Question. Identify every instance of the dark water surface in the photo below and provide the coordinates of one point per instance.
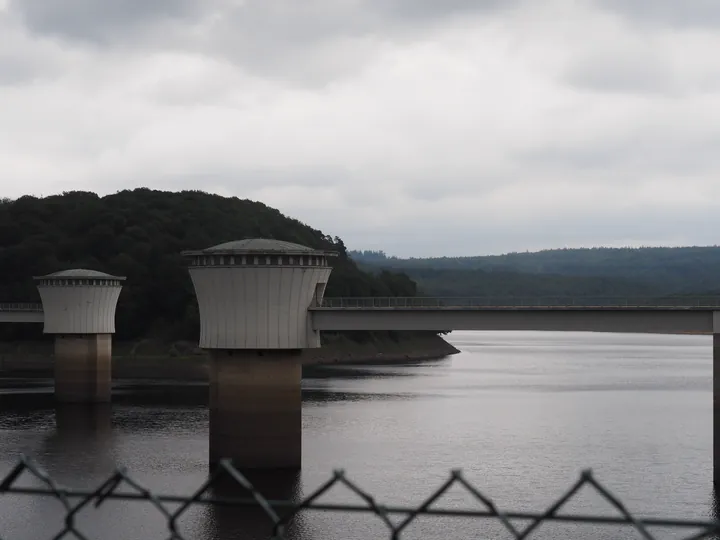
(522, 413)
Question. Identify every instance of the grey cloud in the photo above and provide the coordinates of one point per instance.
(278, 21)
(440, 194)
(654, 149)
(14, 71)
(623, 74)
(429, 9)
(22, 60)
(99, 22)
(435, 190)
(308, 42)
(686, 13)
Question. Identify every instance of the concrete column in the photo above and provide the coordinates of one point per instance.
(82, 368)
(256, 408)
(716, 398)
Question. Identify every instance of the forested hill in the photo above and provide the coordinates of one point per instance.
(658, 270)
(140, 234)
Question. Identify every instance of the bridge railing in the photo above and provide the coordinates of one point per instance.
(393, 520)
(402, 302)
(351, 302)
(20, 306)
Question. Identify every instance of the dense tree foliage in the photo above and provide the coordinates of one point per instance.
(605, 271)
(140, 234)
(508, 285)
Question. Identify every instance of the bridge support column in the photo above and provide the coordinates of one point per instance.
(716, 398)
(256, 408)
(82, 368)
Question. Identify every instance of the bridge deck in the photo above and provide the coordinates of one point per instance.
(671, 320)
(632, 315)
(514, 308)
(668, 315)
(21, 312)
(490, 302)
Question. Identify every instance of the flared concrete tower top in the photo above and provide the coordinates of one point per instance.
(79, 301)
(255, 293)
(79, 276)
(260, 252)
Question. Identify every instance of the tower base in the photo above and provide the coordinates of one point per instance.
(256, 408)
(82, 368)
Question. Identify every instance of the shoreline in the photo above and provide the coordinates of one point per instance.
(182, 362)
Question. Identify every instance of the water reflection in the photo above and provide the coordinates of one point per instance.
(521, 413)
(153, 393)
(378, 370)
(322, 397)
(79, 451)
(714, 512)
(253, 523)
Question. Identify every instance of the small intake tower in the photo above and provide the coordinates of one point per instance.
(79, 309)
(253, 296)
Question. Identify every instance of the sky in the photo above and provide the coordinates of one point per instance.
(418, 127)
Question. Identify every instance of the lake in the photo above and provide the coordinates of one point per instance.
(521, 413)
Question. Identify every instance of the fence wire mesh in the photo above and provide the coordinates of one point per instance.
(120, 485)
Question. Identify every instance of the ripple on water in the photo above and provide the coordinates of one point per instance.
(521, 413)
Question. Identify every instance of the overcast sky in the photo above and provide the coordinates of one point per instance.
(420, 127)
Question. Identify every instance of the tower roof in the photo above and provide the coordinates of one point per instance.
(259, 246)
(79, 273)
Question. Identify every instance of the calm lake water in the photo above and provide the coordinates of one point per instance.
(522, 413)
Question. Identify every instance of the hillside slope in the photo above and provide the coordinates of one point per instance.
(652, 270)
(140, 234)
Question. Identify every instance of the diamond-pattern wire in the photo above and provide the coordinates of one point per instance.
(73, 501)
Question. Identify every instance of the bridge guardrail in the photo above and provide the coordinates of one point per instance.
(399, 302)
(21, 306)
(478, 301)
(120, 485)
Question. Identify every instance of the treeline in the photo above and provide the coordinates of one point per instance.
(514, 285)
(607, 271)
(140, 234)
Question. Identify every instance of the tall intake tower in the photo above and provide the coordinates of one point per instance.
(253, 296)
(79, 309)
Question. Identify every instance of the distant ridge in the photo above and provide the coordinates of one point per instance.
(662, 270)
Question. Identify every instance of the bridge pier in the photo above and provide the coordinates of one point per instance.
(83, 368)
(256, 408)
(716, 398)
(253, 297)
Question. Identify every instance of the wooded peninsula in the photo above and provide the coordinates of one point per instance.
(140, 234)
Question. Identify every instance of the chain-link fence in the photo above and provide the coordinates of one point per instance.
(121, 486)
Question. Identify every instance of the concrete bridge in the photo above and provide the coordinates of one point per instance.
(21, 312)
(692, 314)
(630, 315)
(261, 302)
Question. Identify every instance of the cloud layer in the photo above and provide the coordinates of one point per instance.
(417, 127)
